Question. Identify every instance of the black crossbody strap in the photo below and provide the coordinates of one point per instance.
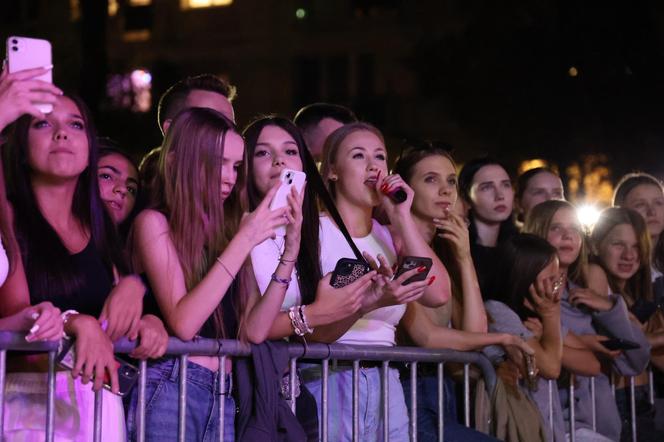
(316, 181)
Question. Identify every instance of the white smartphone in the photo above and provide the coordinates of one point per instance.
(289, 179)
(29, 53)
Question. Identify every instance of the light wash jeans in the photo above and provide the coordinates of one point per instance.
(340, 400)
(161, 408)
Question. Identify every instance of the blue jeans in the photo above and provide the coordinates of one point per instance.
(340, 400)
(161, 404)
(427, 412)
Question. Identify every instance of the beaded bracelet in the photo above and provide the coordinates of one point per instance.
(284, 281)
(296, 320)
(307, 329)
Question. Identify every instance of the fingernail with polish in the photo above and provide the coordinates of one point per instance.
(432, 279)
(34, 329)
(34, 316)
(421, 269)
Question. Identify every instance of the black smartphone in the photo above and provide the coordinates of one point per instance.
(620, 344)
(407, 263)
(347, 271)
(127, 373)
(643, 309)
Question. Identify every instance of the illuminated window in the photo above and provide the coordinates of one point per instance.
(140, 2)
(112, 7)
(194, 4)
(130, 91)
(74, 10)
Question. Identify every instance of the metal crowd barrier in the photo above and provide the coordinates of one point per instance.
(224, 348)
(572, 413)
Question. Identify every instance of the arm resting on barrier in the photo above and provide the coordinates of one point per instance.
(578, 358)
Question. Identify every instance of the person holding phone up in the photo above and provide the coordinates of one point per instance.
(70, 257)
(354, 169)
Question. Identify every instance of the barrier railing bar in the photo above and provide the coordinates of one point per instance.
(142, 380)
(386, 399)
(413, 401)
(222, 397)
(324, 380)
(50, 398)
(572, 411)
(356, 400)
(651, 386)
(176, 347)
(593, 408)
(182, 400)
(441, 401)
(550, 386)
(99, 400)
(632, 407)
(3, 371)
(292, 375)
(613, 384)
(466, 393)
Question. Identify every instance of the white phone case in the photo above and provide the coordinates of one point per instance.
(289, 178)
(29, 53)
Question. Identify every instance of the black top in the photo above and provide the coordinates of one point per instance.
(95, 284)
(228, 310)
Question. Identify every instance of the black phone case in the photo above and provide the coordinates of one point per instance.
(411, 262)
(348, 271)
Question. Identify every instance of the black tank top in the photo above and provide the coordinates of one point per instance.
(228, 310)
(96, 284)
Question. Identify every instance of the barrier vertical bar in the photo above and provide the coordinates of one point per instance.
(413, 401)
(632, 407)
(99, 400)
(3, 370)
(50, 400)
(356, 401)
(142, 380)
(386, 400)
(550, 385)
(182, 400)
(441, 401)
(466, 393)
(651, 386)
(613, 385)
(222, 396)
(325, 379)
(572, 411)
(292, 375)
(594, 405)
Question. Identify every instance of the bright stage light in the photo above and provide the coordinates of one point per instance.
(588, 215)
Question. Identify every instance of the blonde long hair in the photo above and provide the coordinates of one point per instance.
(538, 222)
(189, 192)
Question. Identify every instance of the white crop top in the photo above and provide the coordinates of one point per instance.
(376, 327)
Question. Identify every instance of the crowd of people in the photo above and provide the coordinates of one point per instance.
(96, 247)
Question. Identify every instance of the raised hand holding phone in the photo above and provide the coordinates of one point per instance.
(32, 54)
(289, 179)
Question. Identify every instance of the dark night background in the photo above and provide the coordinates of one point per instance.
(577, 83)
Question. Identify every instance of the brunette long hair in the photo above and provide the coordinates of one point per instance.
(189, 194)
(523, 257)
(308, 258)
(409, 158)
(48, 264)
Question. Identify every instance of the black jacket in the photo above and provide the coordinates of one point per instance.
(264, 415)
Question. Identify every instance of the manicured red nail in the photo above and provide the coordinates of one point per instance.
(383, 188)
(421, 269)
(432, 279)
